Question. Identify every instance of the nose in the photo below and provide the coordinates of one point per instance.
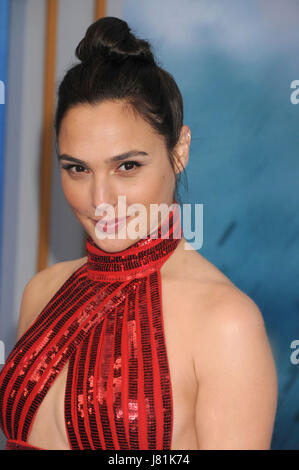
(103, 194)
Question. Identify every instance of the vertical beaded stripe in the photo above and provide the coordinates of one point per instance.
(104, 324)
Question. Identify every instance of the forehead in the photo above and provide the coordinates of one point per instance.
(107, 121)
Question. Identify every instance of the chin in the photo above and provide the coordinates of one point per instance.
(108, 243)
(113, 245)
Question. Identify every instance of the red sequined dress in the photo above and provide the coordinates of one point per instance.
(106, 321)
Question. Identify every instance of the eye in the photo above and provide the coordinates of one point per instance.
(69, 167)
(129, 165)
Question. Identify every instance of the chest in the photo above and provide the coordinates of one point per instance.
(51, 413)
(121, 379)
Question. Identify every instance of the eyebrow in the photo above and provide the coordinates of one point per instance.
(116, 158)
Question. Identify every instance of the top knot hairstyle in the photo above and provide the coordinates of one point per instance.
(111, 39)
(116, 65)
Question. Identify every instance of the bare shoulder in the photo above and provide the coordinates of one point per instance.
(41, 288)
(204, 283)
(216, 310)
(195, 279)
(226, 340)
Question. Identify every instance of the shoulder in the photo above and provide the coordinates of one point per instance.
(41, 288)
(222, 319)
(230, 318)
(194, 280)
(55, 275)
(235, 371)
(204, 282)
(230, 347)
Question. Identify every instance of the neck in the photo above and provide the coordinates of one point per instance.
(140, 259)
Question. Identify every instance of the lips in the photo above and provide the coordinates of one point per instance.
(109, 225)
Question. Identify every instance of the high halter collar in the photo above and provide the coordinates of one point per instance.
(139, 259)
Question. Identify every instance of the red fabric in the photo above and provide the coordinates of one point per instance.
(19, 445)
(106, 322)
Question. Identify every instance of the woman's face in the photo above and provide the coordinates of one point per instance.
(94, 134)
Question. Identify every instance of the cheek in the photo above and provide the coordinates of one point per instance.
(73, 195)
(165, 182)
(155, 189)
(148, 188)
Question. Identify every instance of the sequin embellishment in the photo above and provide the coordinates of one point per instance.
(106, 322)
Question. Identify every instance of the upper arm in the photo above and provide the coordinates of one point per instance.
(237, 381)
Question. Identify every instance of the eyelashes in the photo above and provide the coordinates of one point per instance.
(131, 163)
(69, 167)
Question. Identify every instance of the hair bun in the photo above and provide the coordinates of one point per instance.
(111, 39)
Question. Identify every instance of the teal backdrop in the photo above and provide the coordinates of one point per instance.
(234, 62)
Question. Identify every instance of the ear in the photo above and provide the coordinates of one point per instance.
(181, 150)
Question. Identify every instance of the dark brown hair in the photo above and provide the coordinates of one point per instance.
(116, 65)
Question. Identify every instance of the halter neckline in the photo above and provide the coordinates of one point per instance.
(141, 258)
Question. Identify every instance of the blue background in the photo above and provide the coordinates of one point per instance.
(234, 62)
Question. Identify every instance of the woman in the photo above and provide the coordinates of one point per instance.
(142, 344)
